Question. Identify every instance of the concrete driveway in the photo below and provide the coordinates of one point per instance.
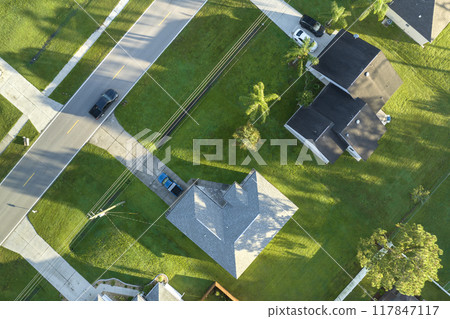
(287, 19)
(73, 127)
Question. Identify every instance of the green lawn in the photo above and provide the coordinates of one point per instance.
(100, 49)
(338, 204)
(9, 115)
(435, 218)
(16, 274)
(27, 26)
(16, 149)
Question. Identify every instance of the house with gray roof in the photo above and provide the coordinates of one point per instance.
(334, 123)
(232, 223)
(358, 68)
(422, 20)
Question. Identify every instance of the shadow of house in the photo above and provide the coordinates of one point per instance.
(232, 223)
(347, 114)
(422, 20)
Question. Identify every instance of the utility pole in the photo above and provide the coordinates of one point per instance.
(104, 212)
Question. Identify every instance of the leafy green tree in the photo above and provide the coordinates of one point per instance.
(419, 194)
(407, 263)
(247, 136)
(378, 7)
(300, 55)
(257, 102)
(338, 16)
(305, 98)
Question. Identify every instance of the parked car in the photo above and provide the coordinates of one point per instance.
(312, 25)
(107, 98)
(301, 37)
(171, 186)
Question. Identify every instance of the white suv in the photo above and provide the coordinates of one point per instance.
(300, 37)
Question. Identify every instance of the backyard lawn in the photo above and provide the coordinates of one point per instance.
(49, 30)
(9, 115)
(338, 204)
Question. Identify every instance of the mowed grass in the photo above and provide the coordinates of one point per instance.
(16, 149)
(16, 274)
(9, 115)
(338, 204)
(434, 215)
(26, 26)
(163, 249)
(100, 49)
(435, 218)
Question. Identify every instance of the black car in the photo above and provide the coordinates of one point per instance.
(103, 103)
(312, 25)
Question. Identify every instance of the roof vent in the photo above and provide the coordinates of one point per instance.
(367, 74)
(420, 16)
(358, 121)
(356, 36)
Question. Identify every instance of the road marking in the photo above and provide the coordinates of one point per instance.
(28, 180)
(72, 127)
(165, 18)
(118, 72)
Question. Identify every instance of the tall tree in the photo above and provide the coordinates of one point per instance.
(247, 136)
(339, 15)
(257, 102)
(300, 55)
(407, 263)
(378, 7)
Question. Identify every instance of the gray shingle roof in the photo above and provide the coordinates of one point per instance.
(353, 123)
(360, 68)
(428, 17)
(163, 292)
(233, 234)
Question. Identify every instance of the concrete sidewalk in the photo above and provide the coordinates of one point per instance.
(26, 242)
(84, 48)
(29, 100)
(287, 19)
(112, 137)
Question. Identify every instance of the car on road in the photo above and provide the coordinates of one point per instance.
(312, 25)
(171, 186)
(107, 98)
(301, 37)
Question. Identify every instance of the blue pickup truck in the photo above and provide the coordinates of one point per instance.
(171, 186)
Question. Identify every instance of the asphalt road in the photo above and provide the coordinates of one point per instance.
(73, 127)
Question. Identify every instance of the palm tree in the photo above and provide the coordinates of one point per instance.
(247, 136)
(378, 7)
(300, 55)
(257, 102)
(339, 15)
